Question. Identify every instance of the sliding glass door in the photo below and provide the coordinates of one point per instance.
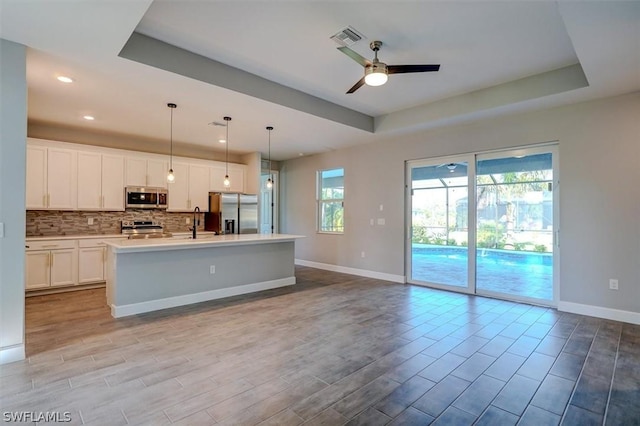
(485, 224)
(440, 223)
(515, 225)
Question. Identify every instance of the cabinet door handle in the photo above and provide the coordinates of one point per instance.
(103, 201)
(48, 200)
(44, 200)
(51, 255)
(48, 259)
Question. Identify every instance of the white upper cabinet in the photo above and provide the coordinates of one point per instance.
(100, 181)
(112, 182)
(51, 178)
(146, 172)
(136, 172)
(36, 197)
(89, 181)
(236, 178)
(64, 176)
(199, 187)
(179, 188)
(157, 173)
(190, 189)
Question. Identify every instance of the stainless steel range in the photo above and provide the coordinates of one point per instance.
(139, 229)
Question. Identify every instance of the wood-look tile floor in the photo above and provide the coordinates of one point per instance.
(333, 349)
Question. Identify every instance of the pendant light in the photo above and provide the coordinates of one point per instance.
(227, 182)
(170, 176)
(269, 181)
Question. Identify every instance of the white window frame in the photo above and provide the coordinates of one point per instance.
(320, 202)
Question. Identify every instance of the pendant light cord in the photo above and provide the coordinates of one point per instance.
(270, 128)
(226, 152)
(226, 160)
(171, 106)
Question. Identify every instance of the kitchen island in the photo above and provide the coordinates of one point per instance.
(148, 275)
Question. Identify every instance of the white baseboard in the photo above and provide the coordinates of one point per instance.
(600, 312)
(188, 299)
(12, 354)
(353, 271)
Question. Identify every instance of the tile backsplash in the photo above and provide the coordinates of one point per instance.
(51, 223)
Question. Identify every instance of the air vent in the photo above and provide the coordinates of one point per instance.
(347, 36)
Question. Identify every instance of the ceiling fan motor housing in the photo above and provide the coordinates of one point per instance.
(376, 67)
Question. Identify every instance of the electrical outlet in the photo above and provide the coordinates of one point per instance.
(187, 220)
(90, 221)
(212, 269)
(613, 284)
(362, 254)
(371, 222)
(380, 221)
(381, 207)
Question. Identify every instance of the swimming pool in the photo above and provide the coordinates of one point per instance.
(520, 273)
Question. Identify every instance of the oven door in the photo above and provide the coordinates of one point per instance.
(141, 199)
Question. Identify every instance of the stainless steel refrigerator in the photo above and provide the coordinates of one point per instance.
(232, 213)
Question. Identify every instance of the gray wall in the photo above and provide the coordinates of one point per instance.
(13, 139)
(599, 144)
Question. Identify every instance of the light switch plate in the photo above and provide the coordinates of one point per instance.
(1, 229)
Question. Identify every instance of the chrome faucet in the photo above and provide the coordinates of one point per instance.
(196, 221)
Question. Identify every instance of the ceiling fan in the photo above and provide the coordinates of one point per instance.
(375, 72)
(451, 166)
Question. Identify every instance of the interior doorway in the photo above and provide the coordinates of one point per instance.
(269, 202)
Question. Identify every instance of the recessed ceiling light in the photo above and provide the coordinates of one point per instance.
(222, 140)
(65, 79)
(89, 117)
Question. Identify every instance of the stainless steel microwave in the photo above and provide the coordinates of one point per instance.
(137, 197)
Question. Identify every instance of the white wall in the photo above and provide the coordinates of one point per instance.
(599, 145)
(13, 137)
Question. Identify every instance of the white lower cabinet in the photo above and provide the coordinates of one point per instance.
(69, 262)
(90, 265)
(51, 264)
(91, 260)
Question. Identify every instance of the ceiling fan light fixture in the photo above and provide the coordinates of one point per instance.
(376, 75)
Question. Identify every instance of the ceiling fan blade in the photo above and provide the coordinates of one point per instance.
(403, 69)
(355, 56)
(356, 86)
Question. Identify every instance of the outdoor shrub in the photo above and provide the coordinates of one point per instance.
(491, 235)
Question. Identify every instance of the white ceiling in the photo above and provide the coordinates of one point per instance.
(496, 57)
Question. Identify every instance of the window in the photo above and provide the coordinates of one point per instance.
(331, 201)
